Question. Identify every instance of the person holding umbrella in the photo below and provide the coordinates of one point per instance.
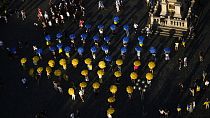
(52, 49)
(116, 20)
(167, 52)
(138, 50)
(80, 50)
(152, 51)
(125, 41)
(59, 36)
(59, 46)
(105, 48)
(108, 59)
(141, 40)
(101, 29)
(39, 52)
(48, 39)
(123, 51)
(107, 39)
(88, 27)
(96, 39)
(67, 50)
(72, 38)
(113, 28)
(83, 38)
(93, 50)
(126, 28)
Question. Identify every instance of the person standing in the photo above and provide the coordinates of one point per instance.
(185, 61)
(81, 93)
(23, 15)
(180, 63)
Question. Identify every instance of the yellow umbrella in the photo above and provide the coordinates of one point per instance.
(117, 74)
(111, 99)
(71, 91)
(100, 72)
(110, 110)
(57, 72)
(119, 62)
(113, 89)
(83, 84)
(134, 75)
(102, 65)
(23, 61)
(129, 89)
(149, 76)
(62, 62)
(95, 85)
(84, 72)
(151, 65)
(51, 63)
(48, 70)
(35, 59)
(39, 70)
(137, 63)
(31, 72)
(88, 61)
(75, 62)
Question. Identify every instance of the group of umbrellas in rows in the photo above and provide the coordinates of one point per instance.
(66, 56)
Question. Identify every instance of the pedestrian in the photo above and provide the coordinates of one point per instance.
(55, 85)
(135, 26)
(201, 56)
(100, 5)
(206, 83)
(192, 90)
(81, 93)
(117, 3)
(185, 61)
(23, 15)
(179, 109)
(161, 111)
(204, 74)
(60, 89)
(180, 63)
(206, 103)
(176, 46)
(24, 81)
(72, 115)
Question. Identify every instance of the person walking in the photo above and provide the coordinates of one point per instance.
(185, 61)
(81, 93)
(206, 103)
(180, 63)
(100, 5)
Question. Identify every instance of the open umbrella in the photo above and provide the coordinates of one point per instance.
(107, 39)
(111, 99)
(88, 61)
(62, 62)
(52, 48)
(117, 74)
(125, 40)
(59, 35)
(113, 89)
(96, 38)
(113, 27)
(71, 91)
(39, 70)
(39, 52)
(167, 50)
(102, 65)
(72, 36)
(151, 65)
(48, 70)
(123, 50)
(95, 85)
(83, 36)
(119, 62)
(133, 76)
(83, 85)
(138, 49)
(126, 27)
(129, 89)
(87, 26)
(149, 76)
(116, 20)
(57, 73)
(93, 49)
(74, 62)
(108, 58)
(67, 49)
(47, 38)
(137, 63)
(51, 63)
(80, 50)
(84, 72)
(110, 110)
(35, 60)
(105, 48)
(59, 46)
(152, 50)
(23, 61)
(100, 26)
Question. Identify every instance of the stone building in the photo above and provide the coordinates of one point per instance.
(171, 16)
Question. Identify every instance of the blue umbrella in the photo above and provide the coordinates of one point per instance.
(140, 38)
(167, 50)
(52, 48)
(96, 38)
(116, 19)
(59, 45)
(39, 51)
(104, 47)
(80, 50)
(123, 50)
(67, 49)
(152, 50)
(13, 50)
(107, 38)
(47, 38)
(113, 27)
(93, 49)
(100, 26)
(59, 35)
(88, 26)
(83, 36)
(72, 36)
(138, 48)
(108, 58)
(126, 27)
(125, 39)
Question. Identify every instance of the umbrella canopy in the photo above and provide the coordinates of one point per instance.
(51, 63)
(134, 75)
(52, 48)
(100, 26)
(138, 48)
(113, 89)
(72, 36)
(80, 50)
(88, 26)
(93, 49)
(117, 74)
(119, 62)
(39, 51)
(83, 36)
(100, 72)
(113, 27)
(102, 65)
(59, 46)
(104, 47)
(84, 72)
(108, 58)
(123, 50)
(57, 72)
(126, 27)
(83, 84)
(39, 70)
(59, 35)
(151, 65)
(129, 89)
(71, 91)
(74, 62)
(141, 39)
(137, 63)
(125, 39)
(116, 19)
(67, 49)
(111, 99)
(152, 50)
(48, 69)
(35, 59)
(95, 85)
(88, 61)
(107, 38)
(96, 38)
(23, 60)
(62, 62)
(167, 50)
(47, 38)
(110, 110)
(149, 76)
